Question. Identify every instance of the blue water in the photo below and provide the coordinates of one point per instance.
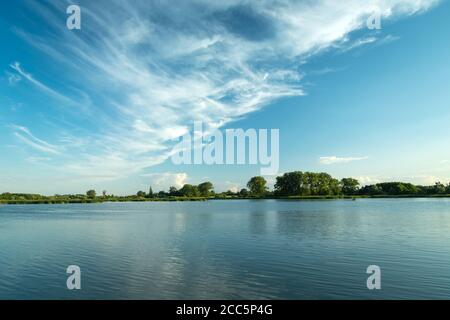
(227, 249)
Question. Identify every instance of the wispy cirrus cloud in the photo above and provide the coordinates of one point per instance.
(13, 78)
(359, 42)
(153, 68)
(24, 135)
(17, 67)
(333, 159)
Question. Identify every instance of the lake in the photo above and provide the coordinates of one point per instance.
(240, 249)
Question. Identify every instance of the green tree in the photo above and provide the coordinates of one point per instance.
(162, 194)
(150, 193)
(349, 186)
(290, 184)
(244, 193)
(173, 191)
(299, 183)
(439, 188)
(230, 193)
(189, 190)
(205, 188)
(371, 190)
(257, 186)
(91, 194)
(140, 194)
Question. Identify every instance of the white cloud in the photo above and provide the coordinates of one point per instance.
(17, 67)
(165, 180)
(155, 67)
(422, 179)
(229, 186)
(38, 159)
(367, 180)
(388, 39)
(426, 179)
(13, 78)
(324, 71)
(334, 159)
(28, 138)
(359, 42)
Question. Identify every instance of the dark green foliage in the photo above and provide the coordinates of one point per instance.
(173, 191)
(390, 188)
(205, 188)
(257, 186)
(189, 190)
(91, 194)
(349, 186)
(306, 184)
(244, 193)
(141, 194)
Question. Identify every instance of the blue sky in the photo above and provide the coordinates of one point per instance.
(100, 107)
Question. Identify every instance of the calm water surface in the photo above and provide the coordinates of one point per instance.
(227, 249)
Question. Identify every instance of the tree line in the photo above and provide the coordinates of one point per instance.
(300, 183)
(290, 184)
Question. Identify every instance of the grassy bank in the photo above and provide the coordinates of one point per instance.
(100, 200)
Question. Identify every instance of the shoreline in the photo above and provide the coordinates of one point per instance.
(191, 199)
